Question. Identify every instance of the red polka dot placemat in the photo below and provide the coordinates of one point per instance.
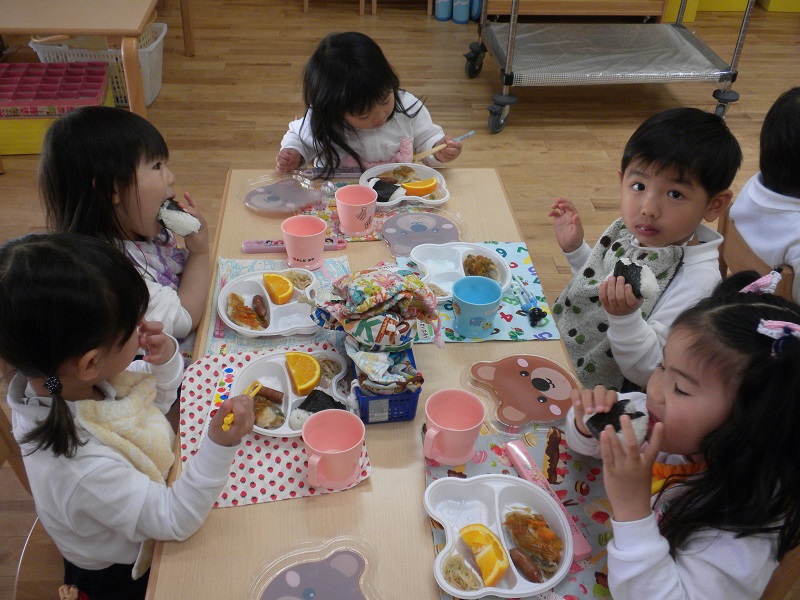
(266, 468)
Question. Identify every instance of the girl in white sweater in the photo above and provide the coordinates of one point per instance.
(707, 507)
(96, 444)
(356, 114)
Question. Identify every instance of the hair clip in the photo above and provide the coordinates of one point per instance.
(763, 285)
(780, 331)
(53, 385)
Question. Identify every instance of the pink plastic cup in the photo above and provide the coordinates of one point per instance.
(355, 205)
(304, 238)
(453, 420)
(333, 441)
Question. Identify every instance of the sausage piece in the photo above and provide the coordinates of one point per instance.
(525, 565)
(259, 307)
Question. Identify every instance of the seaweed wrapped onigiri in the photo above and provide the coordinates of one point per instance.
(177, 220)
(641, 277)
(596, 422)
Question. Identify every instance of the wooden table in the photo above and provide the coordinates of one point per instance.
(227, 554)
(120, 21)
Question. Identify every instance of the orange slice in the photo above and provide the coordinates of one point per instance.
(488, 551)
(420, 188)
(304, 370)
(279, 288)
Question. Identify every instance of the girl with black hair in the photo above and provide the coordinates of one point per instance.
(104, 173)
(708, 506)
(95, 442)
(356, 113)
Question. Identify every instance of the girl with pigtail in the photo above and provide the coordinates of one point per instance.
(90, 422)
(707, 506)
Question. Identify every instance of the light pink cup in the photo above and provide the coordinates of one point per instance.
(333, 441)
(453, 420)
(355, 205)
(304, 238)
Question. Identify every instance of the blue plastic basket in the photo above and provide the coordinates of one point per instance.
(393, 407)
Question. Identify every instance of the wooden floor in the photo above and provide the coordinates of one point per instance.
(228, 107)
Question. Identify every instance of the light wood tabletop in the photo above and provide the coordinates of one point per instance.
(121, 21)
(226, 556)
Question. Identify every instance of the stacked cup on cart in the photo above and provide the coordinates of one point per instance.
(461, 11)
(151, 48)
(46, 90)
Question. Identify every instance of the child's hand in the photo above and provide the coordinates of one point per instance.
(288, 160)
(241, 407)
(627, 471)
(452, 152)
(617, 297)
(158, 346)
(567, 225)
(196, 243)
(589, 402)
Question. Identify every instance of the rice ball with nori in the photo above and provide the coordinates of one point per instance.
(386, 191)
(596, 422)
(177, 220)
(641, 277)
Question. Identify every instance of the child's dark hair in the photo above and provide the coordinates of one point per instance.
(697, 144)
(87, 155)
(750, 485)
(347, 74)
(779, 160)
(62, 295)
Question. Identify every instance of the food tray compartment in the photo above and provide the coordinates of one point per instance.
(391, 407)
(455, 503)
(291, 318)
(271, 371)
(443, 265)
(421, 172)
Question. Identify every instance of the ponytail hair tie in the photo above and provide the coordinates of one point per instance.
(764, 285)
(780, 331)
(53, 385)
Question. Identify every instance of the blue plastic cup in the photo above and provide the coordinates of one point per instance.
(443, 10)
(475, 10)
(461, 11)
(476, 301)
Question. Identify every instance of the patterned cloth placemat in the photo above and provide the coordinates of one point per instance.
(511, 323)
(576, 479)
(265, 468)
(222, 340)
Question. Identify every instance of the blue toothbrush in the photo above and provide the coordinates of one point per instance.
(528, 303)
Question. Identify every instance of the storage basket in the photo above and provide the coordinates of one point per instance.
(151, 51)
(392, 407)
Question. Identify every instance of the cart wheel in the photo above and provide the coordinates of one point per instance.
(721, 109)
(496, 121)
(473, 68)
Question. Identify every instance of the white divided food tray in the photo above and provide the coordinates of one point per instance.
(271, 371)
(291, 318)
(443, 264)
(486, 499)
(421, 172)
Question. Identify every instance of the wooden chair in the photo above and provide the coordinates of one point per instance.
(735, 255)
(41, 568)
(9, 451)
(785, 578)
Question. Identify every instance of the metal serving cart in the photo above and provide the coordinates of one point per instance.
(551, 54)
